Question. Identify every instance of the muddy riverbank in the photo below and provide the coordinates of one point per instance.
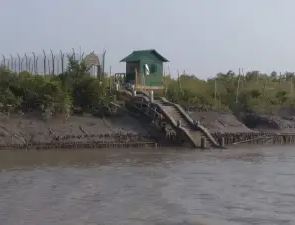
(32, 129)
(284, 123)
(220, 122)
(25, 131)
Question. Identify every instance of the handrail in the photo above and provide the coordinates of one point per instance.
(143, 97)
(209, 135)
(143, 93)
(175, 124)
(126, 92)
(171, 119)
(190, 120)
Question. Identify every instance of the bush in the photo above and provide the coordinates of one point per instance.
(26, 92)
(52, 95)
(256, 93)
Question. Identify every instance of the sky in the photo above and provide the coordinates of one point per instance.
(200, 37)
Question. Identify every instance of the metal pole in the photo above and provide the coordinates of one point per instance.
(26, 57)
(4, 60)
(291, 85)
(103, 62)
(110, 77)
(52, 57)
(21, 64)
(34, 63)
(19, 68)
(48, 61)
(243, 81)
(11, 62)
(15, 65)
(74, 54)
(30, 66)
(36, 69)
(215, 92)
(44, 62)
(62, 61)
(237, 96)
(80, 54)
(57, 66)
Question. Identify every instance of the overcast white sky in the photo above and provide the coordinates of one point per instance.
(202, 37)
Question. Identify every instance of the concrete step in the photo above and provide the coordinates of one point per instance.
(177, 116)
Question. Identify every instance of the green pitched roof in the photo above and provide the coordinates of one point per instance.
(136, 55)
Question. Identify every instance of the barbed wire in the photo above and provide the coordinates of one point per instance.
(43, 63)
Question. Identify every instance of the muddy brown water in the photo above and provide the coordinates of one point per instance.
(140, 187)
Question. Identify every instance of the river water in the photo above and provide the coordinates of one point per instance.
(178, 187)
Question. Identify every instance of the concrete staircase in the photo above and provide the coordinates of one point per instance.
(179, 119)
(193, 131)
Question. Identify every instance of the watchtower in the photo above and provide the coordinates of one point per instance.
(144, 69)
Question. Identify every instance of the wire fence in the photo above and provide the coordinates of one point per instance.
(46, 63)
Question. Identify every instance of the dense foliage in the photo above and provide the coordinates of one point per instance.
(75, 89)
(253, 92)
(51, 95)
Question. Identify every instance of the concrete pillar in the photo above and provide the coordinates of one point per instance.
(203, 143)
(222, 142)
(117, 87)
(178, 123)
(152, 96)
(133, 90)
(196, 123)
